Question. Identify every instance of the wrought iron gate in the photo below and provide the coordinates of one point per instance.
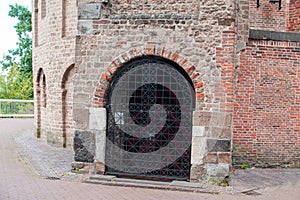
(149, 113)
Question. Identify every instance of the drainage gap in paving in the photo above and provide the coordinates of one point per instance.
(251, 193)
(52, 178)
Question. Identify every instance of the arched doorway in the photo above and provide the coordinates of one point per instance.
(149, 113)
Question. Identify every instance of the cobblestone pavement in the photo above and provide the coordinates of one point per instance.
(48, 162)
(30, 169)
(261, 180)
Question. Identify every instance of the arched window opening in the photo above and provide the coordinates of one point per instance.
(44, 94)
(40, 99)
(66, 86)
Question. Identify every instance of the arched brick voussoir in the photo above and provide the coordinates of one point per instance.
(99, 97)
(199, 89)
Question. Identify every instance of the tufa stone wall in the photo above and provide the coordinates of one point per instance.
(245, 87)
(198, 36)
(53, 54)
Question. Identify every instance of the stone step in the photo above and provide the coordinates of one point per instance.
(138, 183)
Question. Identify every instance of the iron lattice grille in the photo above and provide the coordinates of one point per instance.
(149, 126)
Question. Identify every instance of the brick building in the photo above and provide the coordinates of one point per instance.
(170, 89)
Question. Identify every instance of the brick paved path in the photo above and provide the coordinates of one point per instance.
(19, 179)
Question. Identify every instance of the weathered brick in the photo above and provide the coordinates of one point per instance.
(265, 105)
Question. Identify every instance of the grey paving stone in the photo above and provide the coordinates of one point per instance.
(48, 161)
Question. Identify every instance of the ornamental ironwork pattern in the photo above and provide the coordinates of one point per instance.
(149, 112)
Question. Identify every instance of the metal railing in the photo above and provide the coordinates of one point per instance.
(16, 108)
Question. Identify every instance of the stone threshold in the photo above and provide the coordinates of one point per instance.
(183, 186)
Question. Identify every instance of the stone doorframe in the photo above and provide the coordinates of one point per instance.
(210, 157)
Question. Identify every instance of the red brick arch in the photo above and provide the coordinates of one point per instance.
(99, 98)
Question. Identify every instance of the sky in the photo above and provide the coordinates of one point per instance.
(8, 36)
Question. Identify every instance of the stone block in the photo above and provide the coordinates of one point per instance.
(198, 150)
(198, 173)
(81, 117)
(77, 165)
(217, 145)
(89, 11)
(218, 170)
(97, 118)
(198, 131)
(84, 146)
(85, 27)
(211, 158)
(220, 119)
(226, 21)
(99, 167)
(201, 118)
(240, 45)
(100, 145)
(224, 157)
(219, 132)
(273, 35)
(82, 167)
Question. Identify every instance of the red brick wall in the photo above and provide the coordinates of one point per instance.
(266, 111)
(267, 16)
(294, 16)
(225, 60)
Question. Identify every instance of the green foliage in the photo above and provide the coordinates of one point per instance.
(17, 63)
(244, 166)
(76, 171)
(16, 85)
(219, 181)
